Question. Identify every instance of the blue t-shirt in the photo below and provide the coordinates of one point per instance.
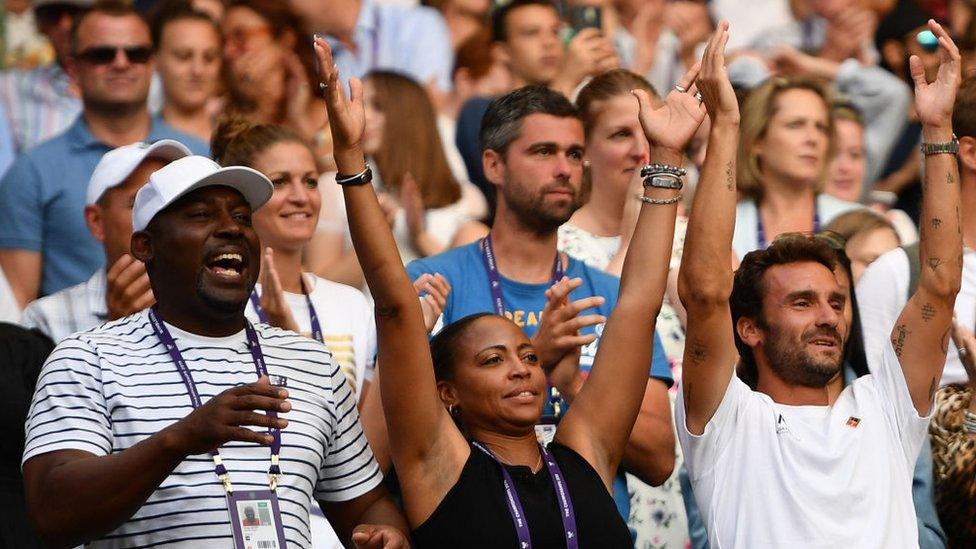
(42, 202)
(464, 269)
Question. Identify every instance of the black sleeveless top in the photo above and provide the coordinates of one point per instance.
(474, 512)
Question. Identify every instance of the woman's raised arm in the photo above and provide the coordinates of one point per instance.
(416, 419)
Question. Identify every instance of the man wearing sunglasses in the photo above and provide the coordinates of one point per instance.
(44, 243)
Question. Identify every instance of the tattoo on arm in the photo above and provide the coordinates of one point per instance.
(729, 176)
(949, 179)
(898, 340)
(928, 312)
(936, 222)
(935, 263)
(698, 353)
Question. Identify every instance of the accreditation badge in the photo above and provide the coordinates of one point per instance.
(256, 519)
(545, 430)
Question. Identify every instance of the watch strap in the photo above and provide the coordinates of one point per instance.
(949, 147)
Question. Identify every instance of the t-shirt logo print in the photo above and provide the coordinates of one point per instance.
(853, 422)
(781, 427)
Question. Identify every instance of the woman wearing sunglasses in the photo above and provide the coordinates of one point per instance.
(461, 411)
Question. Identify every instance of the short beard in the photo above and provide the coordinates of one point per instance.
(222, 307)
(791, 362)
(531, 213)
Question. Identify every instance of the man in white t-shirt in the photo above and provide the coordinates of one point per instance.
(794, 458)
(125, 415)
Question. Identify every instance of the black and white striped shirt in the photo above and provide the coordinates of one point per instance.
(106, 389)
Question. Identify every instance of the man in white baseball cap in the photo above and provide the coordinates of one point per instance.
(121, 288)
(132, 407)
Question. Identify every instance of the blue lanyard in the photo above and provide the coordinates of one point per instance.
(162, 332)
(761, 231)
(313, 317)
(495, 279)
(566, 512)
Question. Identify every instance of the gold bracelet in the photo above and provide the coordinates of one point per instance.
(659, 201)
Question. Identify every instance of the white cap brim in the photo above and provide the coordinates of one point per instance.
(118, 164)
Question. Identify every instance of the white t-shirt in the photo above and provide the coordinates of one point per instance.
(347, 325)
(105, 390)
(882, 293)
(771, 475)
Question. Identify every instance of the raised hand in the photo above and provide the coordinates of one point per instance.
(273, 296)
(225, 418)
(934, 100)
(127, 288)
(347, 117)
(713, 79)
(558, 332)
(674, 122)
(433, 291)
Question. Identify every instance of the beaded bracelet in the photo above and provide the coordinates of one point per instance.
(658, 201)
(657, 169)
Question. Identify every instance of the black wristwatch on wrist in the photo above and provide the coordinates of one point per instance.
(361, 178)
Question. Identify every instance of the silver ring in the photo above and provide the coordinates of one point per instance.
(680, 88)
(323, 86)
(962, 351)
(699, 97)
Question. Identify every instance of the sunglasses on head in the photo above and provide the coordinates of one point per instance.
(103, 55)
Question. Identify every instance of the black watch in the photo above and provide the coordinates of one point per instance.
(361, 178)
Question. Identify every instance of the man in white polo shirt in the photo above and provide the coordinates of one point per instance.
(124, 288)
(796, 459)
(162, 427)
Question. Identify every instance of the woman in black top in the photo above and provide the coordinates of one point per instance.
(493, 485)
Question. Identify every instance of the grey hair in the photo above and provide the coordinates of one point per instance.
(502, 122)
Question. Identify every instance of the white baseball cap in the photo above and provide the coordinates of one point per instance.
(187, 174)
(118, 164)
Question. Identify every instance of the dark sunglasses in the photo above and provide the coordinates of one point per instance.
(103, 55)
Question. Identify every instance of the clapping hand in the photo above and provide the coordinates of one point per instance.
(273, 296)
(346, 116)
(672, 124)
(379, 536)
(713, 83)
(127, 288)
(934, 100)
(558, 332)
(433, 290)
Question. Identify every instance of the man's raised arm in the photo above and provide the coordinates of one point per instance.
(922, 333)
(705, 278)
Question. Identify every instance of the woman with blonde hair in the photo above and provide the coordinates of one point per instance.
(787, 140)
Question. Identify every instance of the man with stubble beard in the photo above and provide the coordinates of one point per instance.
(801, 460)
(163, 426)
(532, 142)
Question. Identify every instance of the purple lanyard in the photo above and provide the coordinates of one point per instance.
(313, 318)
(495, 279)
(162, 332)
(761, 231)
(515, 505)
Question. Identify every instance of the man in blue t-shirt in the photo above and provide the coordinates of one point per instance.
(532, 142)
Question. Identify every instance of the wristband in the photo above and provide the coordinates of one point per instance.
(950, 147)
(664, 181)
(659, 201)
(656, 169)
(361, 178)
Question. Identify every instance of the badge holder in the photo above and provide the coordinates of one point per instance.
(545, 430)
(256, 519)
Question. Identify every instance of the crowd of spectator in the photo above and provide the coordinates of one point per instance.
(488, 273)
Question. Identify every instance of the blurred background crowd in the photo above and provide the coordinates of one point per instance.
(829, 142)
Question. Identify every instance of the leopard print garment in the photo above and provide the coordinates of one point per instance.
(954, 460)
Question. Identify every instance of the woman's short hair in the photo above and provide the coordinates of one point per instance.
(758, 109)
(411, 142)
